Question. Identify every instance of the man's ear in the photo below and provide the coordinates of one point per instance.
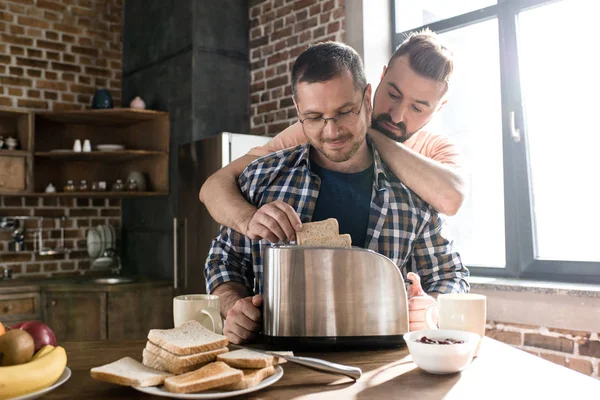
(383, 72)
(369, 100)
(442, 104)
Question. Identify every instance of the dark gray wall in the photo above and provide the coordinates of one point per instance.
(190, 58)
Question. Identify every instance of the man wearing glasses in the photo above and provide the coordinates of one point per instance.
(337, 174)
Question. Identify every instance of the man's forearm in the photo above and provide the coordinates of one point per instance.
(439, 185)
(223, 199)
(229, 293)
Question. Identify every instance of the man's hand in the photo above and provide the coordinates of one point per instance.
(243, 320)
(275, 222)
(418, 302)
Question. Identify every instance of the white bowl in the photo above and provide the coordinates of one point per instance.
(442, 358)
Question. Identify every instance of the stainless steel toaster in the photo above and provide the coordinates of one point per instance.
(331, 297)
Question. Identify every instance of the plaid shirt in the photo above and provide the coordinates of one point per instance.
(401, 225)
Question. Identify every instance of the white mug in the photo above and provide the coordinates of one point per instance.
(204, 308)
(460, 311)
(77, 145)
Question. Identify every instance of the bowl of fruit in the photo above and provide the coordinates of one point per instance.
(441, 351)
(31, 361)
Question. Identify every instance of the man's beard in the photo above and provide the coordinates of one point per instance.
(376, 123)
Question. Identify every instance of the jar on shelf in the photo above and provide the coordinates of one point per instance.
(118, 186)
(132, 185)
(69, 186)
(83, 186)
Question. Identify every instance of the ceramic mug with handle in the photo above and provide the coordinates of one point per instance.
(204, 308)
(460, 311)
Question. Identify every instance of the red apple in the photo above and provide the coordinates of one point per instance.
(40, 332)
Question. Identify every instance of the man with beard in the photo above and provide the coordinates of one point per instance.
(411, 92)
(338, 174)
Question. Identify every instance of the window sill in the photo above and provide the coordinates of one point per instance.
(539, 303)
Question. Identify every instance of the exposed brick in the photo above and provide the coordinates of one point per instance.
(38, 23)
(13, 92)
(33, 53)
(583, 366)
(50, 75)
(21, 41)
(34, 73)
(36, 94)
(50, 95)
(6, 101)
(97, 71)
(548, 342)
(51, 5)
(9, 80)
(590, 348)
(53, 55)
(66, 67)
(17, 30)
(68, 58)
(32, 103)
(276, 128)
(68, 38)
(15, 257)
(38, 33)
(556, 359)
(51, 45)
(17, 51)
(60, 86)
(298, 4)
(50, 35)
(27, 62)
(67, 28)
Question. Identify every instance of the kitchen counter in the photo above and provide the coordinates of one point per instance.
(500, 372)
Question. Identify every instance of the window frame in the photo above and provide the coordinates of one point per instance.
(519, 219)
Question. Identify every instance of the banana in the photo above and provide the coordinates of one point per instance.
(42, 352)
(18, 380)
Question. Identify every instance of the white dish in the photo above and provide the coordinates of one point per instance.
(442, 358)
(61, 379)
(213, 394)
(113, 245)
(102, 239)
(109, 237)
(94, 245)
(110, 147)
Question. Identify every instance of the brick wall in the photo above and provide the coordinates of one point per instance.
(54, 54)
(577, 350)
(80, 214)
(279, 31)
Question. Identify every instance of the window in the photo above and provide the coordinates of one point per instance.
(531, 208)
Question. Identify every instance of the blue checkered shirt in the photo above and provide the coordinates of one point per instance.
(401, 225)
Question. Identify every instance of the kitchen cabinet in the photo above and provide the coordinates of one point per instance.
(19, 307)
(132, 314)
(45, 154)
(75, 315)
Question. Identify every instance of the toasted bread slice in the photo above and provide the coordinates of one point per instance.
(160, 364)
(129, 372)
(246, 358)
(344, 240)
(210, 376)
(189, 338)
(328, 227)
(252, 377)
(184, 361)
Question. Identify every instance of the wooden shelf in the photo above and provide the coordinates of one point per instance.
(99, 156)
(89, 194)
(5, 152)
(113, 116)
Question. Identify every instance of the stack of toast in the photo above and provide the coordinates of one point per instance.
(190, 359)
(323, 233)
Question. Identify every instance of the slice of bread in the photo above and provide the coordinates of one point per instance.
(129, 372)
(328, 227)
(158, 363)
(184, 361)
(208, 377)
(252, 377)
(246, 358)
(189, 338)
(344, 240)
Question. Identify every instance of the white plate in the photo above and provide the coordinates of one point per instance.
(102, 239)
(93, 243)
(110, 147)
(213, 394)
(61, 379)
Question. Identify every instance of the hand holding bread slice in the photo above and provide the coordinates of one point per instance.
(323, 233)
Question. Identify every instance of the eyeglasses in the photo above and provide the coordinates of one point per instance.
(317, 124)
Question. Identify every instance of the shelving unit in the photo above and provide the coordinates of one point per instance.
(49, 136)
(16, 165)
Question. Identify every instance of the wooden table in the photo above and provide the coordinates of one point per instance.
(500, 372)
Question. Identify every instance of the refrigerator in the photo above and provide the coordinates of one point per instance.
(193, 227)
